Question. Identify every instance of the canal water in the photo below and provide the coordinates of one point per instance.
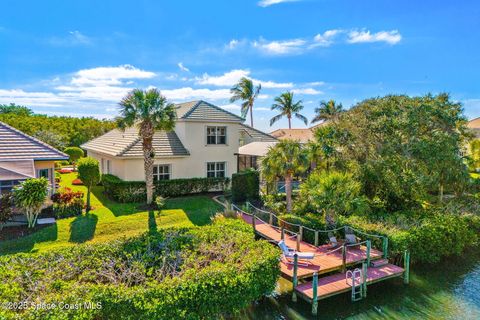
(448, 290)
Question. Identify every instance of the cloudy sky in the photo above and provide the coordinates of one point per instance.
(80, 57)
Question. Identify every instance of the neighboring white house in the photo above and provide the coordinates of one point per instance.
(204, 143)
(23, 157)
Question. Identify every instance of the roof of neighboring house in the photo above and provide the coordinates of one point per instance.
(256, 148)
(256, 134)
(15, 145)
(202, 110)
(129, 144)
(302, 135)
(474, 125)
(16, 170)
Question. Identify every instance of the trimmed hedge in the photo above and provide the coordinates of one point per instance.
(196, 273)
(246, 186)
(135, 191)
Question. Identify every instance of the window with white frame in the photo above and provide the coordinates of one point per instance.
(7, 186)
(216, 169)
(216, 135)
(161, 172)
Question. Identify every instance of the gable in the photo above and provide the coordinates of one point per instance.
(201, 110)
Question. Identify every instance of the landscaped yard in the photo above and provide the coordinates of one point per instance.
(110, 220)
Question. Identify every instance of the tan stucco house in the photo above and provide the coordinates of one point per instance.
(474, 125)
(23, 157)
(204, 143)
(302, 135)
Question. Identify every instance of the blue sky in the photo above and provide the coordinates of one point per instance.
(80, 57)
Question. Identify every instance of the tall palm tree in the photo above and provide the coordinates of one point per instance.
(287, 107)
(328, 110)
(286, 159)
(245, 91)
(148, 111)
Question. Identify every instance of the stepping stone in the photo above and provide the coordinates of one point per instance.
(46, 221)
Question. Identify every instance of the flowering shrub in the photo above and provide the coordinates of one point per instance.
(77, 182)
(67, 203)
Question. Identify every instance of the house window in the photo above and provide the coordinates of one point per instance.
(216, 135)
(216, 169)
(161, 172)
(43, 173)
(7, 186)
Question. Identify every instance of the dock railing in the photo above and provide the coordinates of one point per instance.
(309, 235)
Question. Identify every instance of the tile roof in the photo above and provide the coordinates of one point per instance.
(302, 135)
(202, 110)
(129, 144)
(256, 134)
(15, 145)
(474, 125)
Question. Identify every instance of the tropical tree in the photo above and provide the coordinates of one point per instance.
(475, 154)
(148, 111)
(89, 173)
(287, 107)
(6, 208)
(74, 153)
(327, 111)
(30, 196)
(286, 159)
(246, 92)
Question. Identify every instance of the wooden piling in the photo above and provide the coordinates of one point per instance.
(385, 247)
(316, 238)
(344, 258)
(270, 220)
(315, 294)
(295, 279)
(298, 241)
(369, 246)
(406, 267)
(364, 279)
(282, 229)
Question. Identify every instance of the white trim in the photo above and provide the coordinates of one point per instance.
(225, 169)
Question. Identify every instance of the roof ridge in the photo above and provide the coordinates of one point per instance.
(195, 106)
(199, 102)
(257, 130)
(33, 139)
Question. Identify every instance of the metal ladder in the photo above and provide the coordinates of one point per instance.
(357, 287)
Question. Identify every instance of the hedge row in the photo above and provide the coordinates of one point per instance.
(173, 274)
(246, 186)
(134, 191)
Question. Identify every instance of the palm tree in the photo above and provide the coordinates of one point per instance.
(286, 159)
(149, 111)
(328, 110)
(287, 107)
(245, 91)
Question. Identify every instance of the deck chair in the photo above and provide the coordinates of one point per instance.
(350, 238)
(288, 253)
(332, 240)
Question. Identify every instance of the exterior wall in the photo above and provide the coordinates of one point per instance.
(194, 137)
(38, 165)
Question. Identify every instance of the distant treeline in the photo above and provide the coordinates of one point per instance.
(59, 132)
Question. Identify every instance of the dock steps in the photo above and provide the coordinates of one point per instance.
(379, 263)
(335, 284)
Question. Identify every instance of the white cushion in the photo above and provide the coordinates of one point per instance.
(351, 239)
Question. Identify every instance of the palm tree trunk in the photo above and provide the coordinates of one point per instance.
(288, 191)
(289, 122)
(148, 157)
(251, 115)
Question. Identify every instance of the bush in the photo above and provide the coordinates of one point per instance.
(30, 196)
(245, 186)
(89, 173)
(77, 182)
(67, 203)
(134, 191)
(196, 273)
(6, 206)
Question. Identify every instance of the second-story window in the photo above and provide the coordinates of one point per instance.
(216, 135)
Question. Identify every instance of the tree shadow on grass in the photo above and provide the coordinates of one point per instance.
(27, 243)
(83, 228)
(152, 222)
(118, 209)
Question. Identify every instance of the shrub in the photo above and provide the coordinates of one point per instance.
(135, 191)
(245, 186)
(6, 206)
(30, 196)
(195, 273)
(77, 182)
(74, 153)
(67, 203)
(160, 202)
(89, 173)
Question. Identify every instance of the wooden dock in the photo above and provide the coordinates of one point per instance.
(327, 269)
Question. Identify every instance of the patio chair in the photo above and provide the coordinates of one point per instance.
(288, 255)
(351, 239)
(332, 240)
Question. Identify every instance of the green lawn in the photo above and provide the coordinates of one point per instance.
(111, 220)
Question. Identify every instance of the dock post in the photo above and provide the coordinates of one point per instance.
(369, 246)
(248, 206)
(298, 241)
(315, 294)
(344, 258)
(254, 222)
(364, 279)
(316, 238)
(270, 220)
(282, 232)
(295, 279)
(385, 248)
(406, 263)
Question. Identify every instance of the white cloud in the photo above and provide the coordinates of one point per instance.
(109, 75)
(316, 83)
(19, 96)
(232, 77)
(267, 3)
(307, 91)
(263, 109)
(326, 39)
(232, 44)
(74, 38)
(182, 67)
(282, 47)
(391, 37)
